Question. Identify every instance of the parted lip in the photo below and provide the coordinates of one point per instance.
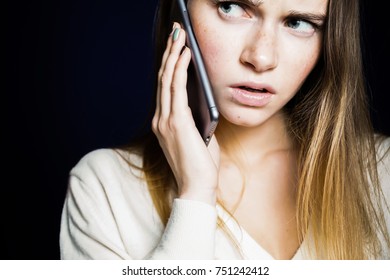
(254, 87)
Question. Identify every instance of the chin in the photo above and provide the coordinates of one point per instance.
(247, 124)
(246, 116)
(245, 119)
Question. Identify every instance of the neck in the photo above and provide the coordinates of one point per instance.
(256, 142)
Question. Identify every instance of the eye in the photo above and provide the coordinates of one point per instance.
(231, 9)
(301, 26)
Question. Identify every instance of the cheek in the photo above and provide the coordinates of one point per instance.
(213, 58)
(218, 59)
(213, 48)
(310, 63)
(302, 65)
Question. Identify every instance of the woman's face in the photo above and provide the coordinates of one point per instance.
(257, 53)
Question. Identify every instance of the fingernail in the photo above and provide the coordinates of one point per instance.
(176, 34)
(174, 26)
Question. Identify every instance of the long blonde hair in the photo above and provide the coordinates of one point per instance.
(338, 188)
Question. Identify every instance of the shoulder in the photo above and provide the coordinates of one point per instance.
(105, 162)
(106, 200)
(107, 180)
(108, 172)
(383, 164)
(382, 146)
(383, 159)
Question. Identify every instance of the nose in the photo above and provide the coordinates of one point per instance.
(259, 51)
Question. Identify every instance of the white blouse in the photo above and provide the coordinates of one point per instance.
(108, 214)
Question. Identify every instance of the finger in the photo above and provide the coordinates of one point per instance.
(169, 46)
(162, 67)
(179, 99)
(168, 72)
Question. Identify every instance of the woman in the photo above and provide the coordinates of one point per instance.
(293, 172)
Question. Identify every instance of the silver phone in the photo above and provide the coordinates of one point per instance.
(200, 95)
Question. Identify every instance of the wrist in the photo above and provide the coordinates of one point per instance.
(206, 196)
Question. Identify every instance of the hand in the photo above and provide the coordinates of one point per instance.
(194, 165)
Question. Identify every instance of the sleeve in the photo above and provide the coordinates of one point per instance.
(95, 225)
(188, 234)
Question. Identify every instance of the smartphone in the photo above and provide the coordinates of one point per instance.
(200, 95)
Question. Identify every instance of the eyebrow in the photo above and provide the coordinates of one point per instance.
(320, 17)
(255, 3)
(312, 16)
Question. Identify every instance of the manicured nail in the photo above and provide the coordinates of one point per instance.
(176, 34)
(174, 26)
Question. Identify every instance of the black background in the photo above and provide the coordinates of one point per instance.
(78, 77)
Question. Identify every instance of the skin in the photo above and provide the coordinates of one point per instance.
(242, 45)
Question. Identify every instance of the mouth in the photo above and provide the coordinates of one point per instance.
(255, 90)
(252, 95)
(254, 87)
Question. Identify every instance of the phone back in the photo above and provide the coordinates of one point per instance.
(200, 95)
